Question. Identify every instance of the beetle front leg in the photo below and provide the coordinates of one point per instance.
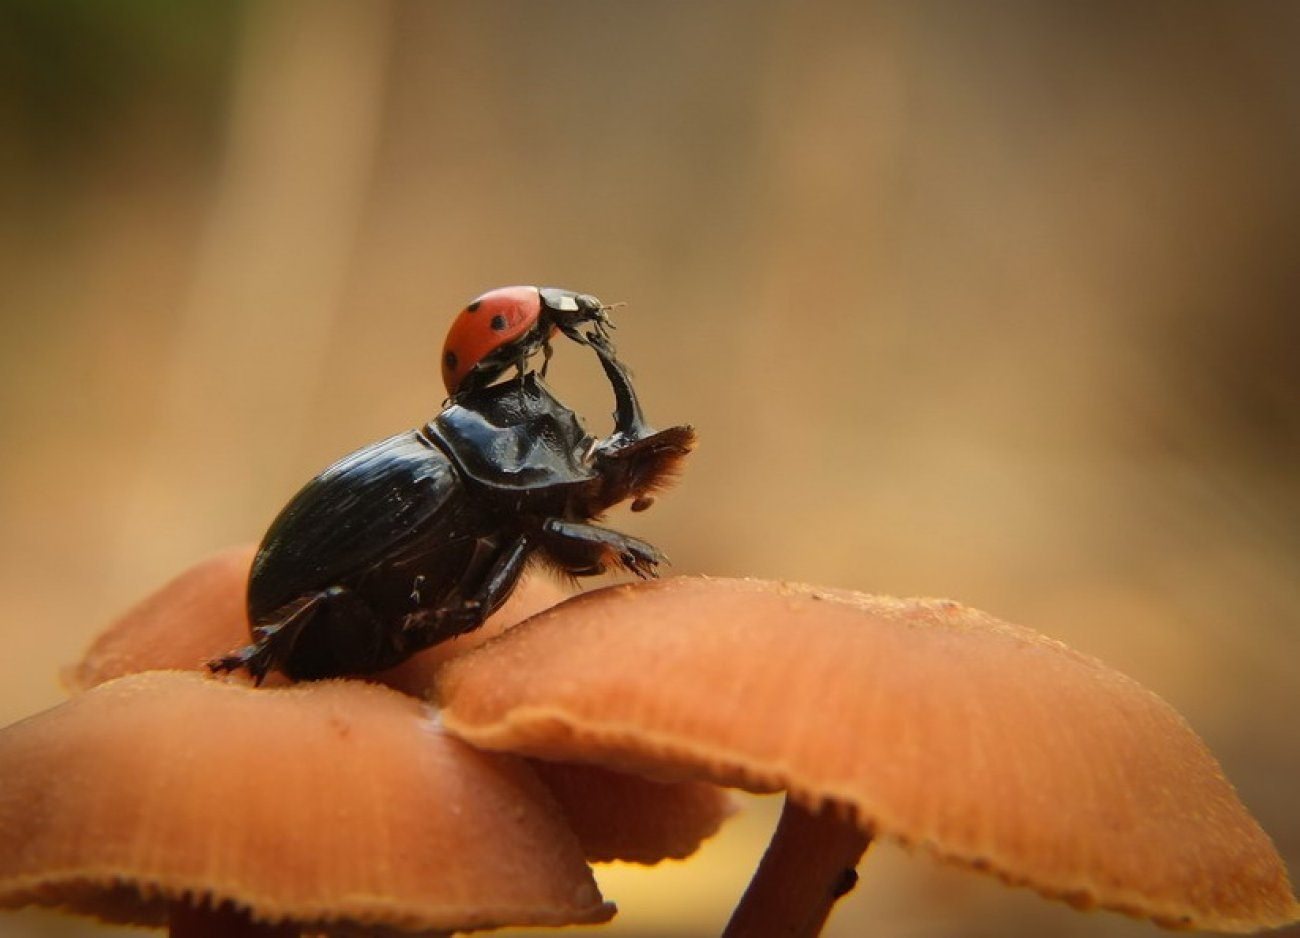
(587, 550)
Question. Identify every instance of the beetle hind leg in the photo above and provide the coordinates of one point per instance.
(272, 642)
(325, 634)
(256, 659)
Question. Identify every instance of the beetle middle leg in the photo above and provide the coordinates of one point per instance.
(586, 549)
(430, 626)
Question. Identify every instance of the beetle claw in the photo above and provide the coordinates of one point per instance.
(252, 658)
(642, 563)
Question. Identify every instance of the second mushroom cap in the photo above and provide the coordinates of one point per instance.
(930, 723)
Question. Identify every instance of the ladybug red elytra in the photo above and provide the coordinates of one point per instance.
(508, 325)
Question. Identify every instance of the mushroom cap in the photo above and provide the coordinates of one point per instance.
(331, 803)
(933, 724)
(625, 817)
(200, 614)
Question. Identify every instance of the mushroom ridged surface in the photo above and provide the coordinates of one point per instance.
(925, 721)
(618, 816)
(330, 803)
(200, 614)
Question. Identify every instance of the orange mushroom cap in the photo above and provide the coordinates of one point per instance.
(200, 614)
(322, 804)
(937, 725)
(625, 817)
(197, 615)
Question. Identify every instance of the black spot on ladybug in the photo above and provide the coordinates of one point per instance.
(498, 322)
(450, 360)
(473, 307)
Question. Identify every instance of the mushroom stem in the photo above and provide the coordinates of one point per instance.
(188, 921)
(808, 866)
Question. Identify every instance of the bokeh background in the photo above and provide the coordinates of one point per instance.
(993, 301)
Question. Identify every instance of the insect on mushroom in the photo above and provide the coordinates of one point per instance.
(507, 326)
(418, 538)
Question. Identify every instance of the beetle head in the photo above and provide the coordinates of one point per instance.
(635, 468)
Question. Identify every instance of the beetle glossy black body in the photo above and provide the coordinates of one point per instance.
(418, 538)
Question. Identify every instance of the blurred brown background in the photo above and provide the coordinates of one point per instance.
(992, 301)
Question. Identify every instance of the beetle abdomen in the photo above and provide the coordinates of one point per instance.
(367, 509)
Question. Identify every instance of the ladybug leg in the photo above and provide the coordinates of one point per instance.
(547, 352)
(430, 626)
(596, 337)
(522, 364)
(586, 550)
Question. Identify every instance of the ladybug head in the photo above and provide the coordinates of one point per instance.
(568, 310)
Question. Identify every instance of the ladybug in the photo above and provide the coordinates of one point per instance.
(507, 326)
(418, 538)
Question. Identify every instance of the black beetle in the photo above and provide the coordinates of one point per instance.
(418, 538)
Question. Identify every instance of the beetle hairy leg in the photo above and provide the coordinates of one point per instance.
(586, 549)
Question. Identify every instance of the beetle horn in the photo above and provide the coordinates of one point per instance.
(629, 420)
